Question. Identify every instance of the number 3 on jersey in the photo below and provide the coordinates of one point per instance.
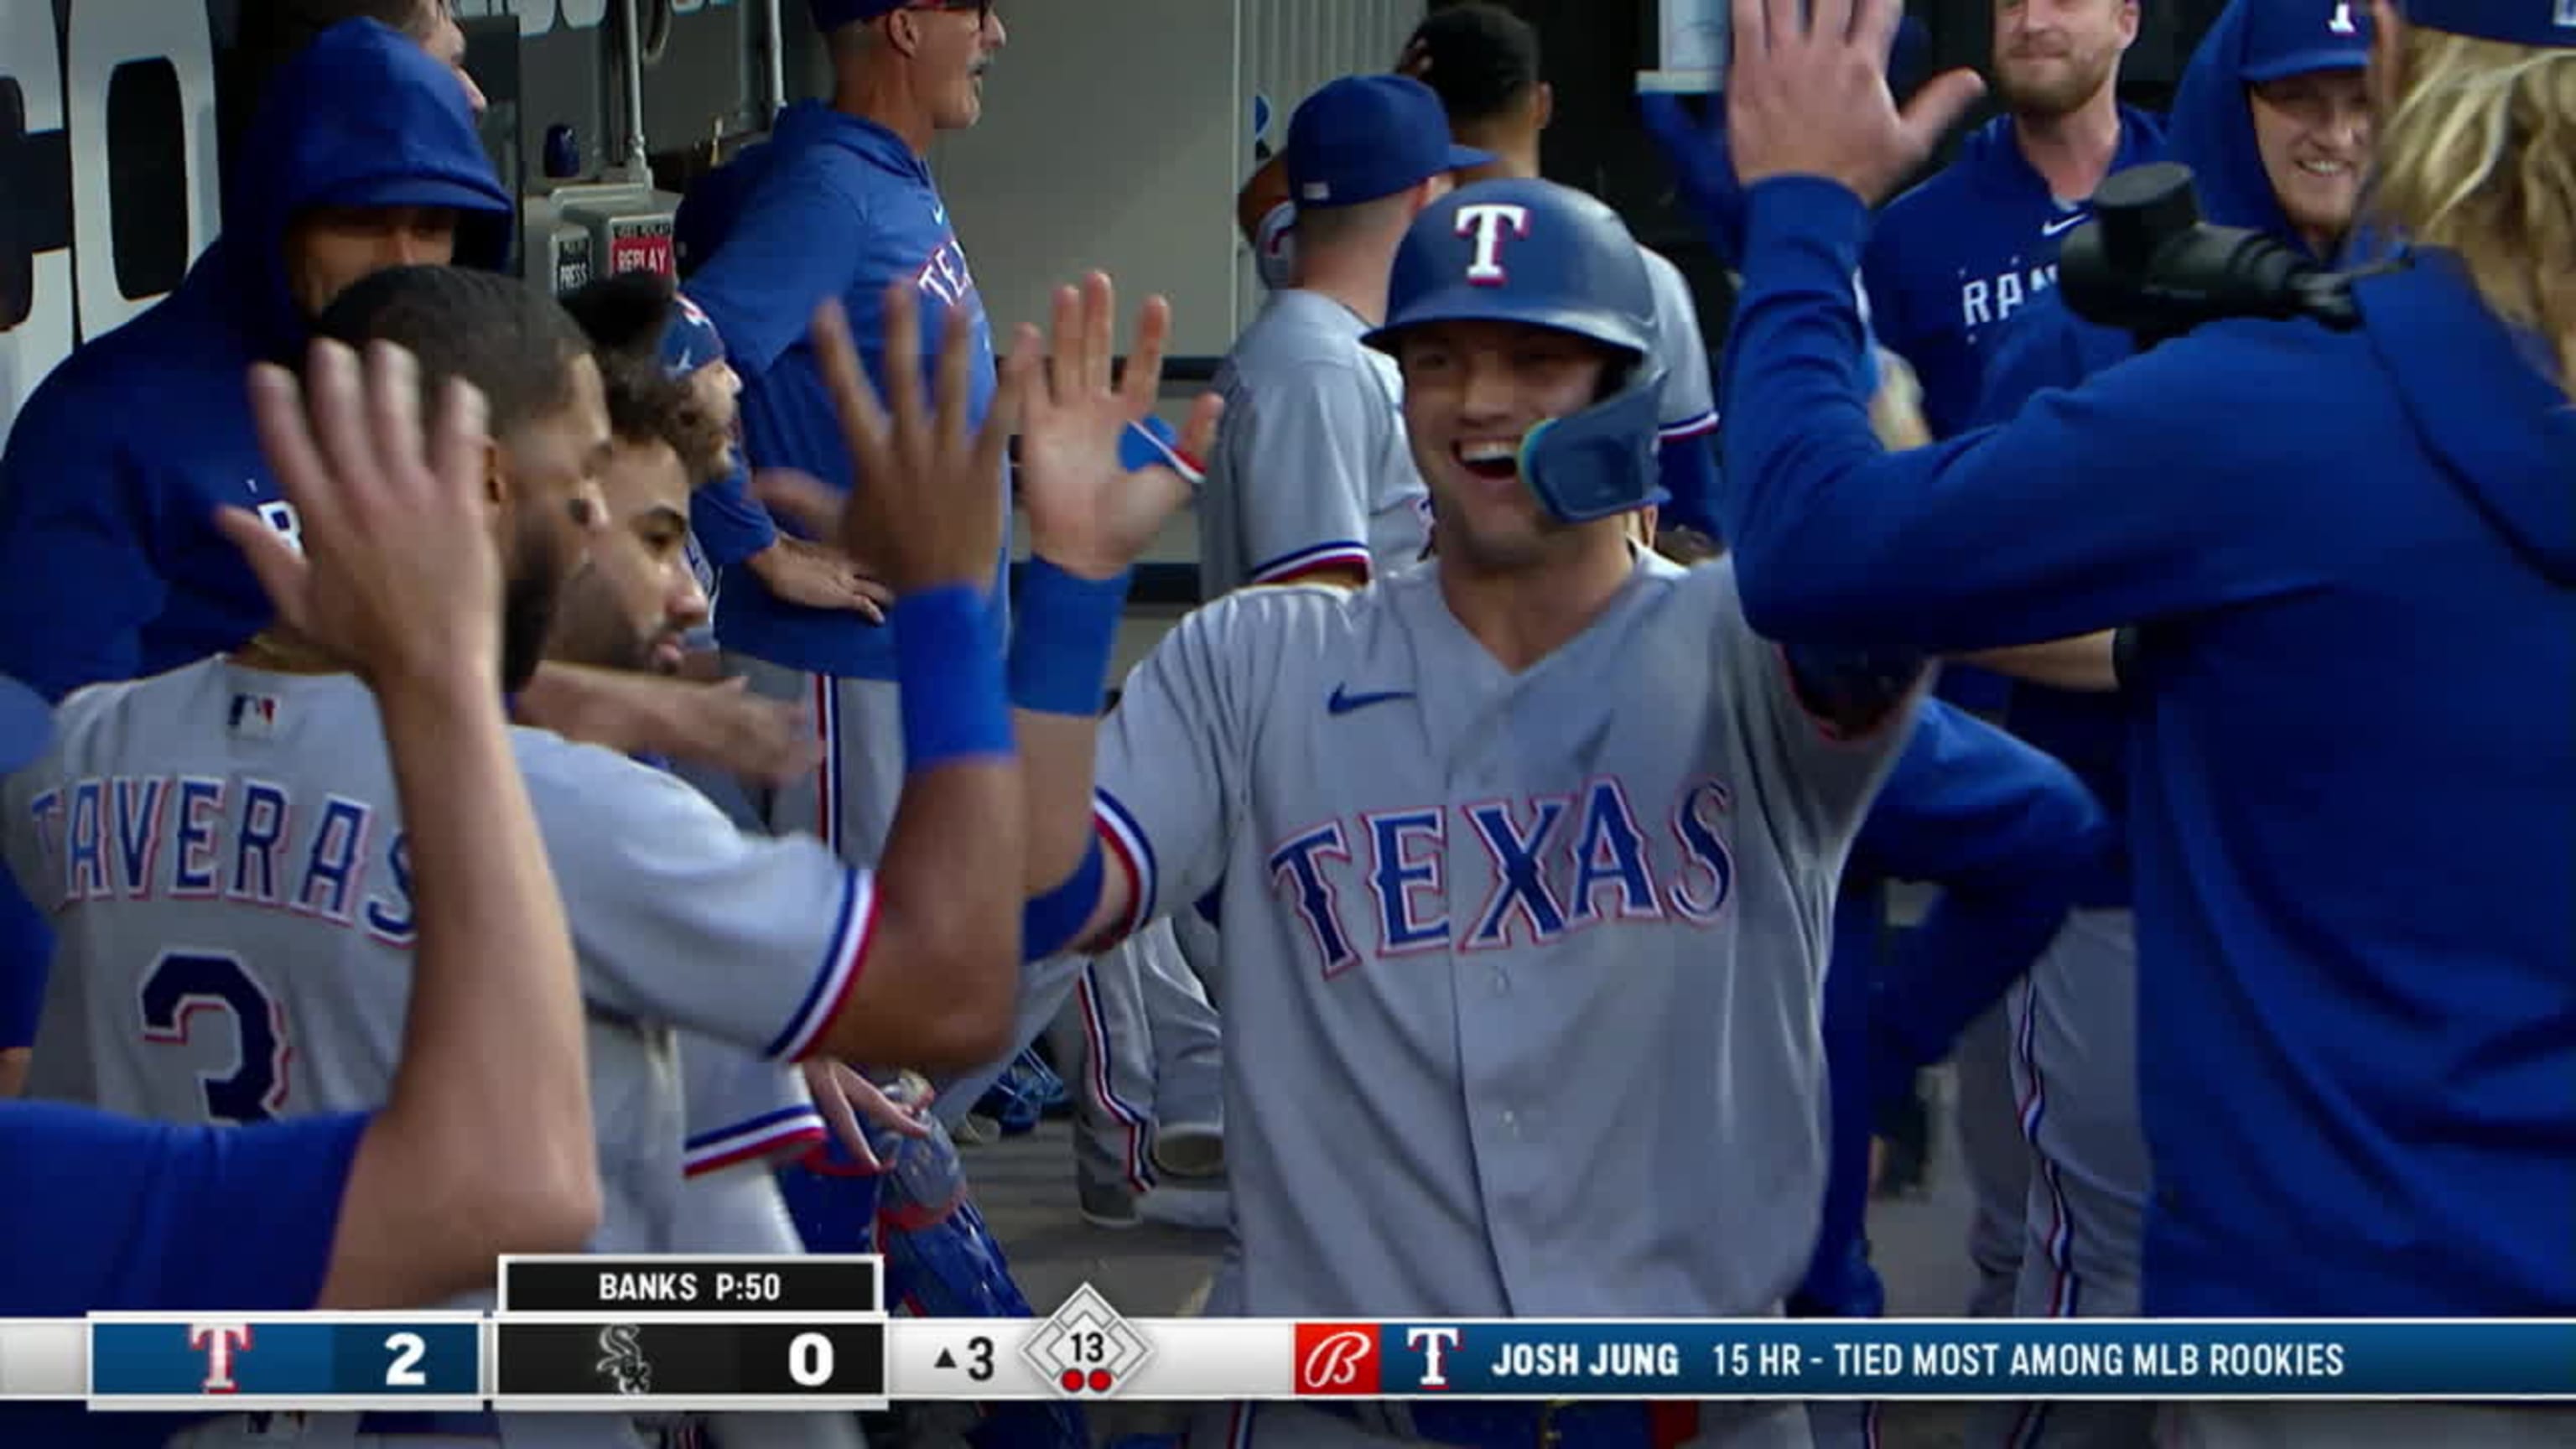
(183, 983)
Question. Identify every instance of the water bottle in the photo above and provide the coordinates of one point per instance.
(923, 1183)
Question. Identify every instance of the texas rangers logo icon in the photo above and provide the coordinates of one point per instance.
(1337, 1358)
(1487, 222)
(622, 1359)
(221, 1343)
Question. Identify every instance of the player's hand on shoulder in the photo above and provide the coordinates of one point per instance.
(1089, 513)
(930, 504)
(397, 575)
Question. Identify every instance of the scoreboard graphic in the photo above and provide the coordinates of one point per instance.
(652, 1335)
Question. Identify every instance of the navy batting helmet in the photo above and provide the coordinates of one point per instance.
(1545, 255)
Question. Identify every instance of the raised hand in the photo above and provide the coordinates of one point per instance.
(1807, 95)
(1088, 514)
(929, 503)
(398, 577)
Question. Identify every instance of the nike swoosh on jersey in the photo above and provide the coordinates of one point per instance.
(2063, 222)
(1344, 702)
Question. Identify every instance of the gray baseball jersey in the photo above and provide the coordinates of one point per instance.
(1312, 470)
(740, 1107)
(1690, 404)
(222, 856)
(1543, 949)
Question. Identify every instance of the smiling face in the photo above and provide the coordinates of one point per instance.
(2052, 56)
(2313, 132)
(1472, 393)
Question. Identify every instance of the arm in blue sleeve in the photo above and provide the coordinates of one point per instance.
(1689, 467)
(81, 578)
(144, 1216)
(2010, 835)
(26, 951)
(730, 526)
(777, 263)
(2155, 488)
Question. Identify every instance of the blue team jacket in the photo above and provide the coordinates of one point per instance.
(1956, 261)
(2007, 833)
(830, 206)
(2212, 132)
(114, 469)
(2355, 555)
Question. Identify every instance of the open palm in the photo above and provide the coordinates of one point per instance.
(1089, 514)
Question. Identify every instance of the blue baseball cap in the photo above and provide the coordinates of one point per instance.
(830, 15)
(2302, 37)
(689, 340)
(1367, 136)
(2547, 24)
(26, 726)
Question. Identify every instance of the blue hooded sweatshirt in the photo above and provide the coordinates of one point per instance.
(2006, 833)
(831, 206)
(2212, 132)
(1956, 262)
(114, 469)
(2354, 557)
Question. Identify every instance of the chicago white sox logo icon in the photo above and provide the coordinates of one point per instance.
(1336, 1361)
(1485, 221)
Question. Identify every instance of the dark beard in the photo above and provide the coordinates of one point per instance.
(528, 609)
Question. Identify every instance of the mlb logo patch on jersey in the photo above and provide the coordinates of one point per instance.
(254, 716)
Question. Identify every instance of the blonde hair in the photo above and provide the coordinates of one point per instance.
(2479, 159)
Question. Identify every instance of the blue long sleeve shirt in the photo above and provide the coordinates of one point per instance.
(831, 206)
(2354, 560)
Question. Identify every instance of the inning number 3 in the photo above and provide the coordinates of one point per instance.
(183, 983)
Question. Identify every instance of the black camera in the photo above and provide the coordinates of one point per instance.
(2147, 264)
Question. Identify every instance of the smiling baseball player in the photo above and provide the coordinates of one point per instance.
(1527, 856)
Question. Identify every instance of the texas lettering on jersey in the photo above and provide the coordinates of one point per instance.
(1393, 866)
(192, 837)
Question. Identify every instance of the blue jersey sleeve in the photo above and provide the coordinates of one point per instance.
(730, 526)
(146, 1216)
(1689, 467)
(26, 950)
(74, 548)
(777, 263)
(2010, 835)
(2090, 510)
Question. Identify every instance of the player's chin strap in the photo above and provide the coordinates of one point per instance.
(1600, 462)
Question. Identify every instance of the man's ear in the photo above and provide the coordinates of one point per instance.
(903, 31)
(1543, 103)
(496, 474)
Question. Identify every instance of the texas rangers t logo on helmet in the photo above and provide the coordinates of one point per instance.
(1485, 221)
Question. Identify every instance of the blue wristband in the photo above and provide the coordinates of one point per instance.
(1064, 632)
(948, 667)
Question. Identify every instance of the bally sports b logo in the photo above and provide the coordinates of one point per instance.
(1337, 1358)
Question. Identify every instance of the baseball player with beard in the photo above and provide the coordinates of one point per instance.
(231, 806)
